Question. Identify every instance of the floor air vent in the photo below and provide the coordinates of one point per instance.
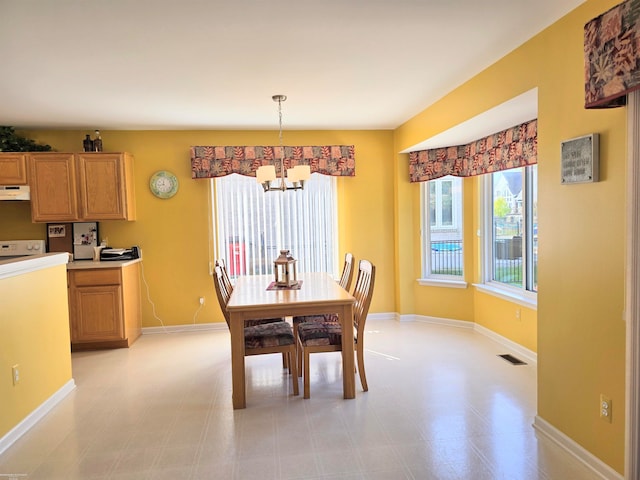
(511, 359)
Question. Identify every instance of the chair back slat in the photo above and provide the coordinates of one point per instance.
(222, 291)
(225, 274)
(347, 272)
(363, 293)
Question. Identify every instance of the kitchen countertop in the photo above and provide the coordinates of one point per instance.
(18, 266)
(87, 264)
(11, 267)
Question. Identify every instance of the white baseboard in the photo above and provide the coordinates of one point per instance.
(382, 316)
(34, 417)
(443, 321)
(529, 355)
(223, 326)
(567, 444)
(185, 328)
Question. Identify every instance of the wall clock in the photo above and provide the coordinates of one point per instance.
(163, 184)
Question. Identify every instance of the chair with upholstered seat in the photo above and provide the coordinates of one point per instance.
(314, 337)
(226, 281)
(261, 338)
(344, 282)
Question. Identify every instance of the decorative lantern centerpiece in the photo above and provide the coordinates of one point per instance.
(285, 270)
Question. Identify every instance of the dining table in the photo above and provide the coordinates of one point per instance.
(256, 297)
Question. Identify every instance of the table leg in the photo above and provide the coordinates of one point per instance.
(348, 365)
(236, 327)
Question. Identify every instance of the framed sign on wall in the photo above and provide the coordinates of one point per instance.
(579, 161)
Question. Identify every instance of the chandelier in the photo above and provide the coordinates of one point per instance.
(267, 173)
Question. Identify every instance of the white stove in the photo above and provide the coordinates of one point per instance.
(21, 248)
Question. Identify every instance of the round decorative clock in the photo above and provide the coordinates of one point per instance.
(163, 184)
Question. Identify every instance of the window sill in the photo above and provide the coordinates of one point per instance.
(442, 282)
(528, 301)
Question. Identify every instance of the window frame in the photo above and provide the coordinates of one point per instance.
(521, 295)
(220, 247)
(427, 277)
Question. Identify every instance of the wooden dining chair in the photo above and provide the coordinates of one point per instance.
(347, 271)
(228, 286)
(261, 338)
(314, 337)
(344, 282)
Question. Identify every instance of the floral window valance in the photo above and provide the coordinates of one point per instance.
(218, 161)
(510, 148)
(611, 56)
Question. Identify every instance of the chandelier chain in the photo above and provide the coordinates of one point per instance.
(297, 175)
(280, 99)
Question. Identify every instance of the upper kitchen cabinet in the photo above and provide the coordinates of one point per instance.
(13, 169)
(81, 186)
(105, 183)
(54, 195)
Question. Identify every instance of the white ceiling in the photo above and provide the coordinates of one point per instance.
(214, 64)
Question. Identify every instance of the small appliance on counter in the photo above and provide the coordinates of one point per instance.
(119, 254)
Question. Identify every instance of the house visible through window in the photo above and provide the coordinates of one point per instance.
(511, 228)
(252, 226)
(442, 228)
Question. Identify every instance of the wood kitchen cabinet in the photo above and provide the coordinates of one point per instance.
(104, 306)
(81, 186)
(13, 169)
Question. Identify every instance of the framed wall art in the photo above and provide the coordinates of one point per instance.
(580, 159)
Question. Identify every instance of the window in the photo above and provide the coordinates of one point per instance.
(442, 228)
(511, 229)
(252, 226)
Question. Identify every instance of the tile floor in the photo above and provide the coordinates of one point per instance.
(441, 405)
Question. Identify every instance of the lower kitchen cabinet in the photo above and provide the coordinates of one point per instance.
(104, 306)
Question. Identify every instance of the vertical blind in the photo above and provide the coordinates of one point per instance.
(252, 226)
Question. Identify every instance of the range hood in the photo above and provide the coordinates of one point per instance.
(15, 192)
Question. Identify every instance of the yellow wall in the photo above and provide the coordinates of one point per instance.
(174, 235)
(577, 330)
(580, 329)
(39, 343)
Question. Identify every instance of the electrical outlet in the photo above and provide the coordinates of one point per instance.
(15, 374)
(606, 408)
(210, 268)
(201, 300)
(518, 314)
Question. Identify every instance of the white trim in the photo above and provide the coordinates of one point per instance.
(632, 293)
(199, 327)
(529, 355)
(442, 282)
(584, 456)
(443, 321)
(529, 301)
(382, 316)
(36, 415)
(404, 318)
(426, 232)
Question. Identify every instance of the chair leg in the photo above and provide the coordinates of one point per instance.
(293, 372)
(285, 361)
(299, 354)
(295, 339)
(363, 377)
(307, 380)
